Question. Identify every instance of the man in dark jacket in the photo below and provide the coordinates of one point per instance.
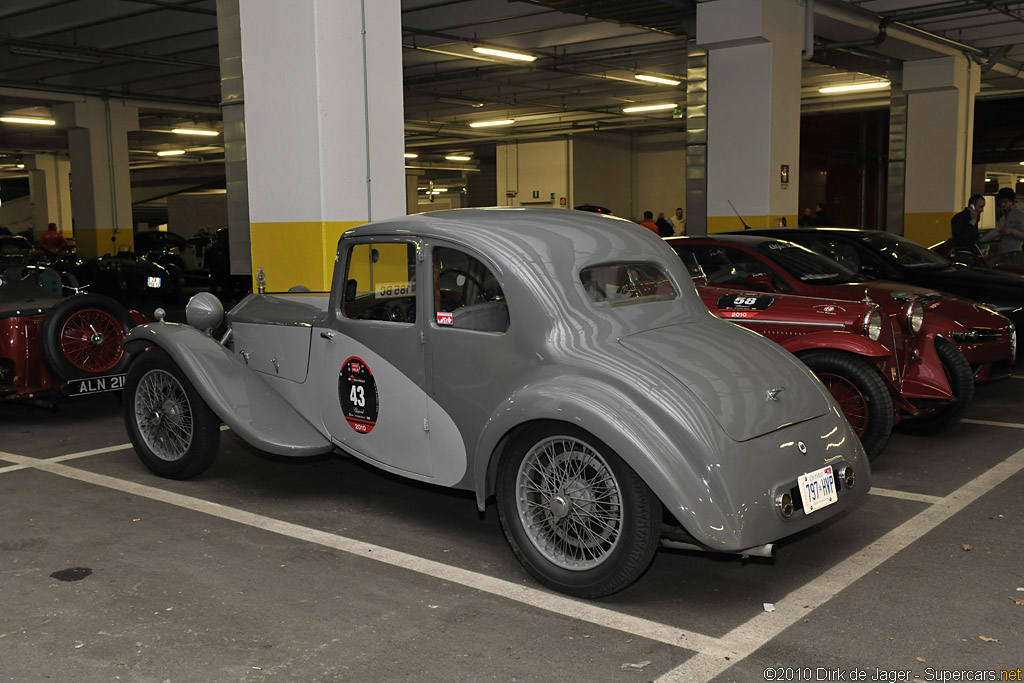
(964, 227)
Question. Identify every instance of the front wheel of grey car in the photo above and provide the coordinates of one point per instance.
(173, 430)
(576, 516)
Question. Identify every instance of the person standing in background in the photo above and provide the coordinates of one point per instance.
(1009, 228)
(678, 222)
(964, 228)
(52, 240)
(664, 227)
(649, 222)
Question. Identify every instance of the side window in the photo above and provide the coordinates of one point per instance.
(466, 294)
(380, 282)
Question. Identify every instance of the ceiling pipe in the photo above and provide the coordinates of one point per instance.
(906, 33)
(54, 93)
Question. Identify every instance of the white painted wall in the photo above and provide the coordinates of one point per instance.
(661, 177)
(603, 173)
(534, 167)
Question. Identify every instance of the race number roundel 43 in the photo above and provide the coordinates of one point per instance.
(357, 392)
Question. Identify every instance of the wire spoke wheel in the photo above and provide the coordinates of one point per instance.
(851, 400)
(91, 340)
(570, 503)
(163, 414)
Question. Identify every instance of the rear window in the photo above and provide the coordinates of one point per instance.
(624, 284)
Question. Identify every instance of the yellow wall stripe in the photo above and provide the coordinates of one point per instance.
(728, 223)
(927, 228)
(92, 243)
(296, 253)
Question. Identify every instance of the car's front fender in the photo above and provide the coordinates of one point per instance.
(239, 396)
(838, 340)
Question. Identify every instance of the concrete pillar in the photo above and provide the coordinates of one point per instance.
(101, 199)
(753, 110)
(940, 140)
(324, 129)
(49, 179)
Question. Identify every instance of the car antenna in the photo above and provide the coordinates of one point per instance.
(745, 226)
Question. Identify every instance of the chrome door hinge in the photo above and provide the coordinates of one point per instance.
(426, 425)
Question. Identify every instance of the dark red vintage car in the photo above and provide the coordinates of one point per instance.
(56, 346)
(925, 345)
(851, 347)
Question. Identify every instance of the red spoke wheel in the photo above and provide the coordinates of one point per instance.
(861, 392)
(91, 340)
(851, 400)
(81, 337)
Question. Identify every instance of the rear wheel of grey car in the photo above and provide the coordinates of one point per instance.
(576, 516)
(173, 430)
(961, 381)
(861, 393)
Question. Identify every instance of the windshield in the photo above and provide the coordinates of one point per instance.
(806, 265)
(903, 252)
(624, 284)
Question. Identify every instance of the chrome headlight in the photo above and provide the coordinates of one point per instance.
(871, 324)
(913, 314)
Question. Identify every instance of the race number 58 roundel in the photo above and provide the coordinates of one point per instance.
(357, 392)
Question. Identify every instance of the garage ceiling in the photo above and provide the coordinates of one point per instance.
(163, 54)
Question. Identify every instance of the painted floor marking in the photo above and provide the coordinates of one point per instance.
(761, 629)
(905, 495)
(714, 655)
(990, 423)
(550, 602)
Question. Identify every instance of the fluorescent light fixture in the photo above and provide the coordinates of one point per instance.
(170, 153)
(457, 157)
(27, 119)
(498, 122)
(439, 189)
(194, 131)
(1022, 163)
(850, 87)
(19, 166)
(1020, 180)
(655, 79)
(504, 54)
(410, 155)
(988, 180)
(649, 107)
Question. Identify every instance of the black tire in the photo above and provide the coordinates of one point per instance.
(81, 337)
(612, 519)
(961, 381)
(174, 432)
(860, 391)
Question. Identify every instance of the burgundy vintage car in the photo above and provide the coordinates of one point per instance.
(851, 347)
(55, 346)
(925, 345)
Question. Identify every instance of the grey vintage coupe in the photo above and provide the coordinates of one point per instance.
(559, 361)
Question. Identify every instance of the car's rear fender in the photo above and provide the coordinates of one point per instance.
(717, 489)
(241, 398)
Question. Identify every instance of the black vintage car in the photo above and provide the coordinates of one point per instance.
(893, 257)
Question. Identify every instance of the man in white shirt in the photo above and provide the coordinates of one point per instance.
(678, 221)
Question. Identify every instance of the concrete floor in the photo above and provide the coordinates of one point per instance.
(324, 569)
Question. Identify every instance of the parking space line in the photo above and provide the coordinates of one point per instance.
(549, 602)
(756, 632)
(905, 495)
(990, 423)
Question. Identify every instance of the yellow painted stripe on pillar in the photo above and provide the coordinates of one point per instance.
(93, 243)
(728, 223)
(296, 253)
(927, 228)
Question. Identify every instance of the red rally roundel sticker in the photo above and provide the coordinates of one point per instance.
(357, 392)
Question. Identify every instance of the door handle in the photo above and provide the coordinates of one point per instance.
(327, 335)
